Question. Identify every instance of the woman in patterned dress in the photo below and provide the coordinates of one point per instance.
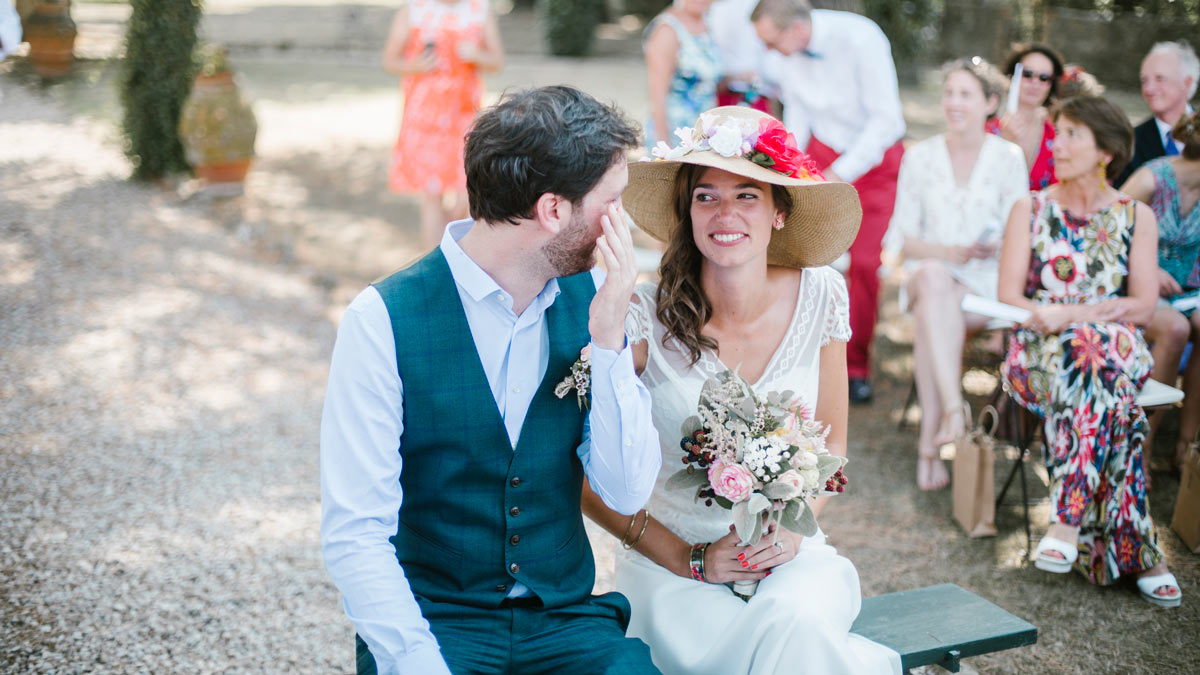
(1030, 126)
(683, 66)
(1171, 186)
(439, 48)
(1081, 257)
(954, 192)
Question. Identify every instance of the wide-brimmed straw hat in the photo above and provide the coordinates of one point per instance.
(825, 216)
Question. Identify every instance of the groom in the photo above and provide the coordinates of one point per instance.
(450, 472)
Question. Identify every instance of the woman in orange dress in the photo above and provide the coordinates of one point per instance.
(438, 48)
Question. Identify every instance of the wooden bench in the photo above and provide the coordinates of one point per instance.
(940, 625)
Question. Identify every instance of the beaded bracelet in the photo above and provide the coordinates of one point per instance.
(645, 524)
(697, 561)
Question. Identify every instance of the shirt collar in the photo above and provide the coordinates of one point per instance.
(816, 40)
(477, 283)
(1164, 128)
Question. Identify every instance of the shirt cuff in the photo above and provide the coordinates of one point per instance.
(426, 660)
(612, 367)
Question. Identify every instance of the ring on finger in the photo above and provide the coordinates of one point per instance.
(779, 545)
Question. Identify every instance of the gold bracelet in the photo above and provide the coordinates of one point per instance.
(645, 524)
(629, 531)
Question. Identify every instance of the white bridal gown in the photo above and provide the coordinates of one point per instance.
(799, 620)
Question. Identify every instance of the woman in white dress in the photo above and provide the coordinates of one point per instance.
(744, 286)
(952, 199)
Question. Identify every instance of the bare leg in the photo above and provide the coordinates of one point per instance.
(1189, 417)
(1168, 333)
(937, 354)
(433, 220)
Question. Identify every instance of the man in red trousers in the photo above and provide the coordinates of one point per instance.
(838, 82)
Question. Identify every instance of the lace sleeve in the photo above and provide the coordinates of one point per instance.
(837, 310)
(637, 318)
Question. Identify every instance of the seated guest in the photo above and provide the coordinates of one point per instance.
(1171, 186)
(1080, 256)
(683, 66)
(954, 192)
(1169, 75)
(1030, 126)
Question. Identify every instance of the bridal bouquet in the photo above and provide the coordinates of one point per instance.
(761, 458)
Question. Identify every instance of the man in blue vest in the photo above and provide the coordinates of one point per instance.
(450, 472)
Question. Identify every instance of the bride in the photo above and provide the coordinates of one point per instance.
(743, 286)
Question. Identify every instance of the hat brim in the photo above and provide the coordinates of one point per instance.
(824, 220)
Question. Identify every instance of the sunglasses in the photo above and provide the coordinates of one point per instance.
(1042, 77)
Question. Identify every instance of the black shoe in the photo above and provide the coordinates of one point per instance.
(860, 390)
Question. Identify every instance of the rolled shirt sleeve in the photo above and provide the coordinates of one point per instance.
(361, 495)
(620, 451)
(880, 99)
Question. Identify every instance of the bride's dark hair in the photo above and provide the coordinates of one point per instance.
(682, 307)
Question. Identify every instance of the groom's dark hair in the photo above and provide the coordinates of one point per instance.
(555, 140)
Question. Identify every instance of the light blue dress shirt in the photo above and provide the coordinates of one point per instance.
(362, 424)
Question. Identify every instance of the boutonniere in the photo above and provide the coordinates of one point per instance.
(579, 379)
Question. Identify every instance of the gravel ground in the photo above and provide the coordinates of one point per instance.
(161, 377)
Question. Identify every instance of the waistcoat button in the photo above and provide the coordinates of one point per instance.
(514, 511)
(515, 481)
(514, 568)
(514, 539)
(500, 588)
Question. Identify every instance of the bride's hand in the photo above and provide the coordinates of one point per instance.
(722, 563)
(766, 555)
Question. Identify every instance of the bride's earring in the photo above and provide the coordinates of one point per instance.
(778, 224)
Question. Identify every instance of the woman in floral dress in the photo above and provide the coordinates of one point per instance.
(683, 66)
(439, 48)
(1081, 257)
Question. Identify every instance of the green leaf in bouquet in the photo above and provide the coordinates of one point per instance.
(684, 479)
(691, 425)
(722, 502)
(744, 409)
(799, 518)
(827, 465)
(747, 518)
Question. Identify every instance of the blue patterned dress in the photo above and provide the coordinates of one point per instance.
(1178, 234)
(693, 87)
(1083, 382)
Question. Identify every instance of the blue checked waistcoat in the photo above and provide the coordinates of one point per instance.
(478, 515)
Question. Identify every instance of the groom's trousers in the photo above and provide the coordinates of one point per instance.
(583, 639)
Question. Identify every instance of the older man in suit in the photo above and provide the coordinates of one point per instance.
(1169, 75)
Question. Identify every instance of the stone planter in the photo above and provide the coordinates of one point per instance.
(51, 33)
(217, 127)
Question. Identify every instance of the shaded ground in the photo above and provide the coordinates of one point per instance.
(162, 365)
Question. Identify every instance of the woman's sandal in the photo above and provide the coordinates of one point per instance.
(948, 431)
(1049, 563)
(1149, 584)
(931, 473)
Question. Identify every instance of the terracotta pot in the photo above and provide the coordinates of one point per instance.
(51, 33)
(218, 128)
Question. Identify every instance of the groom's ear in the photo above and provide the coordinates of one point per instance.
(552, 212)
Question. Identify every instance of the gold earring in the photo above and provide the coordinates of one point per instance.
(1103, 173)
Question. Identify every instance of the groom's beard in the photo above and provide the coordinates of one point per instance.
(573, 250)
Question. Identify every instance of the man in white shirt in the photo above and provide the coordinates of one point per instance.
(1169, 75)
(450, 472)
(842, 101)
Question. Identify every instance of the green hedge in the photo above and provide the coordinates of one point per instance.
(570, 25)
(155, 80)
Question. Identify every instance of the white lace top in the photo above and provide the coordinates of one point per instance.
(821, 314)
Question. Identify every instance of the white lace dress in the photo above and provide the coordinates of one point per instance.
(799, 620)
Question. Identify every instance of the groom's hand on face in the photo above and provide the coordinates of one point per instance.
(606, 321)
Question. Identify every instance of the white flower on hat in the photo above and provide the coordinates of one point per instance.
(663, 151)
(726, 140)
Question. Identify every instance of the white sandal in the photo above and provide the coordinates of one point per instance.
(1049, 563)
(1147, 586)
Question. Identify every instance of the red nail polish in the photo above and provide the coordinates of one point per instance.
(745, 564)
(741, 556)
(768, 572)
(754, 567)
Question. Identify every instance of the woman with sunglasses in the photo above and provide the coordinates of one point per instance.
(1030, 126)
